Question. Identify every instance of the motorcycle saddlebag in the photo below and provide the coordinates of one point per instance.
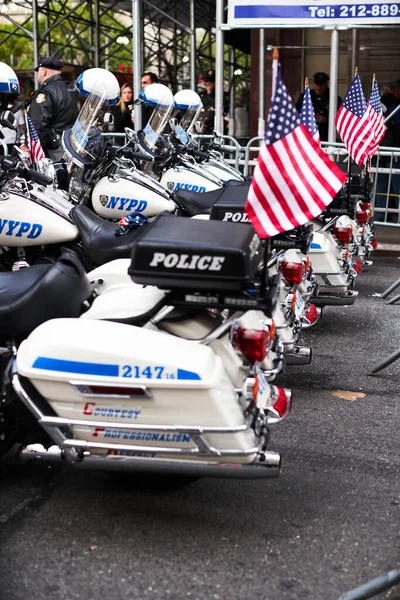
(230, 204)
(193, 254)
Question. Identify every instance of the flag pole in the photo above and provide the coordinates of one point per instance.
(267, 245)
(349, 164)
(368, 162)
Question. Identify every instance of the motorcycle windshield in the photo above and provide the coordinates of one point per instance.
(186, 122)
(83, 142)
(152, 133)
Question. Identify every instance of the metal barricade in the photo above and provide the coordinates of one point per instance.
(386, 193)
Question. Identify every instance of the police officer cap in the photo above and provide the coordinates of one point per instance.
(50, 62)
(210, 76)
(321, 78)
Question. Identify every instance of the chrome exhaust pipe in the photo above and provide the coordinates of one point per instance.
(267, 465)
(331, 300)
(300, 355)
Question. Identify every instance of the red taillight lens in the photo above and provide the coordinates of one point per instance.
(293, 272)
(282, 404)
(311, 314)
(362, 216)
(252, 343)
(357, 267)
(374, 243)
(343, 234)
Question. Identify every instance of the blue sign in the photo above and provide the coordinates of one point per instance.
(289, 13)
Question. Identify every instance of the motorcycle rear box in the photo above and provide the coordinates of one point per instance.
(180, 253)
(230, 204)
(124, 385)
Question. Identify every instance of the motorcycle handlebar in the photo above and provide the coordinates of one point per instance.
(10, 165)
(37, 176)
(138, 155)
(201, 154)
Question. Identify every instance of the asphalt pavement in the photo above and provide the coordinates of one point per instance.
(329, 523)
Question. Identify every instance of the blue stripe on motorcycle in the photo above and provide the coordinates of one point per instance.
(71, 366)
(182, 374)
(314, 246)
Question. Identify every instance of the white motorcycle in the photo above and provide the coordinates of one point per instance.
(111, 395)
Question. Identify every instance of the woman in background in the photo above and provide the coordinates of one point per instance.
(123, 112)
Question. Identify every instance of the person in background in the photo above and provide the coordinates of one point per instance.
(320, 99)
(123, 111)
(147, 78)
(241, 120)
(52, 107)
(208, 99)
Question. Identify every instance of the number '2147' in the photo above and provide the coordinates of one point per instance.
(145, 372)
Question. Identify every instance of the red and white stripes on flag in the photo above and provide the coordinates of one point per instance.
(354, 124)
(35, 147)
(374, 108)
(294, 180)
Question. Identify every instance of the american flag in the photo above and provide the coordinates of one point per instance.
(354, 124)
(35, 147)
(307, 114)
(294, 180)
(374, 109)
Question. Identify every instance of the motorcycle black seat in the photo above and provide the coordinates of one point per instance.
(99, 240)
(197, 203)
(39, 293)
(200, 203)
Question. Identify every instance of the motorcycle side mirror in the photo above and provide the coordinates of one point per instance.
(131, 135)
(199, 127)
(108, 119)
(8, 120)
(173, 123)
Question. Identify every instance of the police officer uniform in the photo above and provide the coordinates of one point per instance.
(320, 103)
(52, 108)
(208, 111)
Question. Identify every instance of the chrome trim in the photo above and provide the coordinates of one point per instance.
(82, 387)
(266, 464)
(300, 355)
(189, 429)
(331, 300)
(207, 451)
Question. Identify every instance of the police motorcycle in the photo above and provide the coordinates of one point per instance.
(115, 395)
(38, 218)
(121, 185)
(343, 241)
(190, 167)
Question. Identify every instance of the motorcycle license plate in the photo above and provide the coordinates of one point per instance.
(262, 394)
(299, 304)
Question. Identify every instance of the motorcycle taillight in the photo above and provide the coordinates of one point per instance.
(357, 267)
(252, 343)
(362, 216)
(282, 399)
(293, 272)
(311, 314)
(343, 234)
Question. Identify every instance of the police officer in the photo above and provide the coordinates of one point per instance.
(52, 107)
(320, 100)
(208, 100)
